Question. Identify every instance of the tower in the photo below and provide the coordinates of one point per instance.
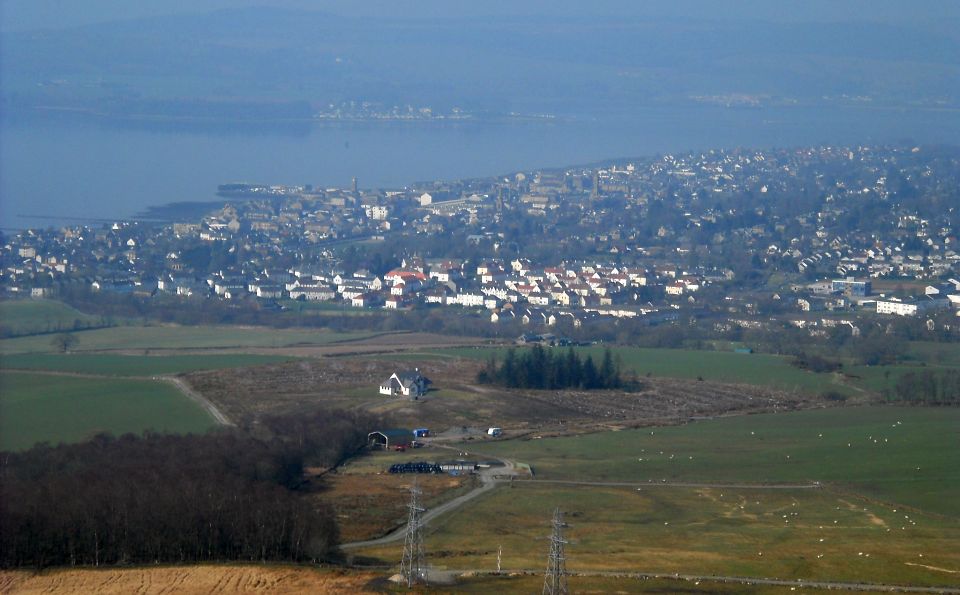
(412, 566)
(555, 581)
(353, 185)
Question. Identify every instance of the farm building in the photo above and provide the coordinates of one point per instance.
(458, 467)
(408, 383)
(389, 438)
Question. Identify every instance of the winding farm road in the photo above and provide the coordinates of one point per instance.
(492, 477)
(489, 478)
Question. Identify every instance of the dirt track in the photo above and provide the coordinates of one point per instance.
(196, 397)
(187, 579)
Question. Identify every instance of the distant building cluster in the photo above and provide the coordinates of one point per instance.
(645, 238)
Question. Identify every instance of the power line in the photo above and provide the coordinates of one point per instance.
(413, 565)
(555, 580)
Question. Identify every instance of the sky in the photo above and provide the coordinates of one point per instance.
(21, 15)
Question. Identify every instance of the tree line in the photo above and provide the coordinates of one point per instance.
(927, 387)
(235, 494)
(539, 368)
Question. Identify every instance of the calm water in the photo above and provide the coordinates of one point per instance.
(59, 170)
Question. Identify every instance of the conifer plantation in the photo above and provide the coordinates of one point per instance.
(539, 368)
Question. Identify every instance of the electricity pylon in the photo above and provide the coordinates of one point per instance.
(555, 581)
(413, 564)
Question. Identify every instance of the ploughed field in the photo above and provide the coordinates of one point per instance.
(205, 579)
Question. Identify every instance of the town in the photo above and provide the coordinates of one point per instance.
(816, 238)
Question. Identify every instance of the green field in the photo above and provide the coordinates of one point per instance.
(39, 407)
(864, 449)
(151, 338)
(939, 354)
(800, 534)
(21, 317)
(131, 365)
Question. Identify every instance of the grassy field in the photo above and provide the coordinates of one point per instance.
(131, 365)
(940, 354)
(812, 534)
(902, 455)
(20, 317)
(919, 357)
(39, 407)
(153, 338)
(886, 512)
(533, 583)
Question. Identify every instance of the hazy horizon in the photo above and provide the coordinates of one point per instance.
(560, 82)
(26, 15)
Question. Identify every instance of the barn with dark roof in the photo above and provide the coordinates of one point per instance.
(389, 438)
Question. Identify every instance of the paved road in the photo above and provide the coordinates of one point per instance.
(193, 395)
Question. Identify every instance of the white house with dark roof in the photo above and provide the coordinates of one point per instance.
(406, 383)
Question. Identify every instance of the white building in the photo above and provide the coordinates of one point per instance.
(408, 383)
(910, 306)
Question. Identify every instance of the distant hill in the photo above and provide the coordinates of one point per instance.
(501, 64)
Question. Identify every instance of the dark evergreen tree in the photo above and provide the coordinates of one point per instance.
(591, 379)
(540, 368)
(609, 375)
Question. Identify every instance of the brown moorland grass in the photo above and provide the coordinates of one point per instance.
(369, 505)
(457, 401)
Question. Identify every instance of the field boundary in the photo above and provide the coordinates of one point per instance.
(197, 398)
